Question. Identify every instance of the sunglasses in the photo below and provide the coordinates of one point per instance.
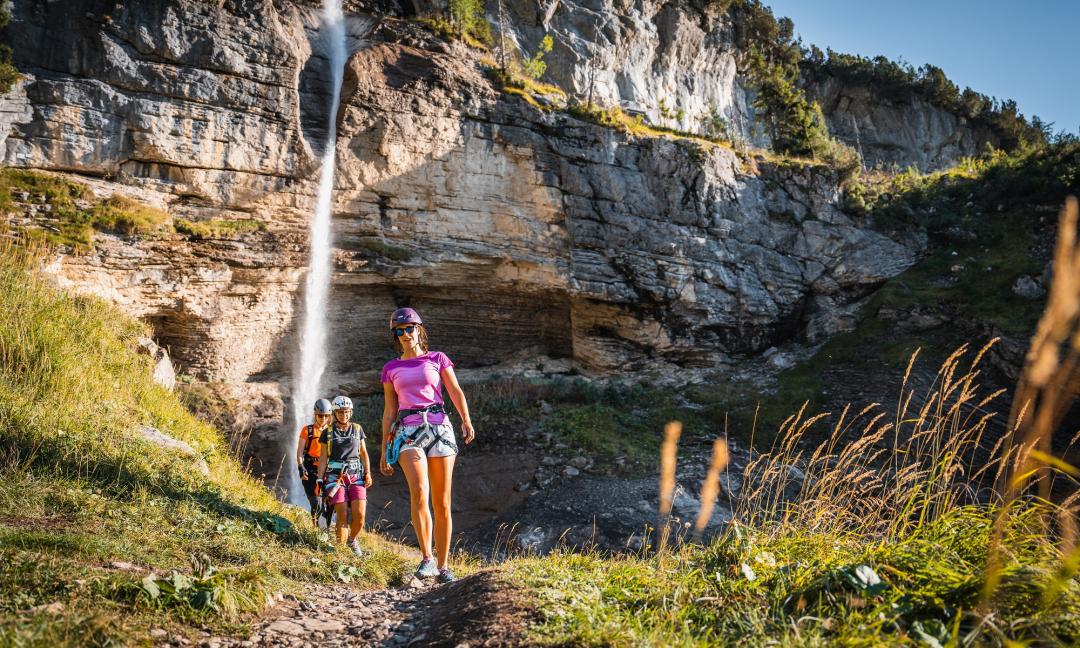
(403, 330)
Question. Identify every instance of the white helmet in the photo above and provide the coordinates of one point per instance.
(342, 402)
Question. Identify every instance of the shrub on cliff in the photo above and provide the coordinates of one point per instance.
(535, 66)
(770, 56)
(467, 17)
(8, 74)
(900, 81)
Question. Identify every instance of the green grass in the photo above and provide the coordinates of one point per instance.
(1001, 202)
(802, 588)
(980, 287)
(79, 490)
(386, 250)
(218, 228)
(128, 217)
(75, 214)
(882, 543)
(515, 81)
(635, 125)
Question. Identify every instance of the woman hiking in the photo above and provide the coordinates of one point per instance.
(418, 433)
(345, 472)
(308, 451)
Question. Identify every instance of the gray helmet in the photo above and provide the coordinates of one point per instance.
(323, 406)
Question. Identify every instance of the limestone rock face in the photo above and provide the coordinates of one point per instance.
(897, 133)
(673, 62)
(218, 318)
(518, 233)
(178, 95)
(523, 226)
(676, 64)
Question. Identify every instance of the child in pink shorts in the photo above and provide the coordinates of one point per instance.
(345, 470)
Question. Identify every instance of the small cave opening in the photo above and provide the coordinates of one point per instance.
(163, 331)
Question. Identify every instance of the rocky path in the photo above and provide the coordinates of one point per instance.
(338, 615)
(477, 611)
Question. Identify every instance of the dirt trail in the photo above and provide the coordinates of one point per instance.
(477, 611)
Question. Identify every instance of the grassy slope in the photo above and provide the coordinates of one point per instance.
(79, 491)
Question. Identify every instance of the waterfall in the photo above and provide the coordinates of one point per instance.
(311, 361)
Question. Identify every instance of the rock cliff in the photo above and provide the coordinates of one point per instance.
(518, 232)
(638, 249)
(673, 62)
(676, 63)
(896, 133)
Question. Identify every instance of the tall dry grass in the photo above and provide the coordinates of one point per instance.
(1048, 386)
(879, 473)
(884, 475)
(711, 487)
(668, 451)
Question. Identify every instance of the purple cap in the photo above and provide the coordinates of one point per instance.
(405, 316)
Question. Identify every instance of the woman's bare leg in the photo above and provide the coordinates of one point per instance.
(442, 478)
(415, 466)
(359, 512)
(342, 514)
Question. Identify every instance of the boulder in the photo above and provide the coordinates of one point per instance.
(160, 439)
(1028, 288)
(163, 373)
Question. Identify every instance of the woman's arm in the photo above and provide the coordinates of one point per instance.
(300, 451)
(453, 389)
(388, 416)
(363, 453)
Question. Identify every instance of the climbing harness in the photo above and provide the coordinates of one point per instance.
(335, 468)
(423, 437)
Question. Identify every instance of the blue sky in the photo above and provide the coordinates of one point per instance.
(1027, 51)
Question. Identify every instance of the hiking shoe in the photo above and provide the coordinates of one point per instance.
(427, 568)
(354, 544)
(446, 576)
